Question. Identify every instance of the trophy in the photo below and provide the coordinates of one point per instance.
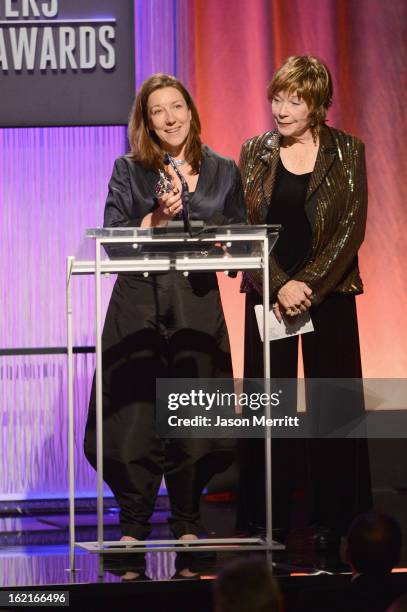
(164, 185)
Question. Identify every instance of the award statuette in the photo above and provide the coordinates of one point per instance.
(163, 185)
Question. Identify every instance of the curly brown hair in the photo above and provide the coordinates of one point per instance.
(144, 144)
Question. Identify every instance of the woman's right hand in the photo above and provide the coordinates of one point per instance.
(169, 205)
(294, 297)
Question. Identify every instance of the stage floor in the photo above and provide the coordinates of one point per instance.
(34, 553)
(34, 548)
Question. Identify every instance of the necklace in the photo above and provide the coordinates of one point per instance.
(180, 162)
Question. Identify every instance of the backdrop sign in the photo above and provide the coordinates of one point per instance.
(66, 62)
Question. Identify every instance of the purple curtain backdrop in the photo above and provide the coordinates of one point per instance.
(53, 185)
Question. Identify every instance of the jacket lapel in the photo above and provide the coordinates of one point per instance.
(269, 158)
(267, 161)
(207, 174)
(325, 158)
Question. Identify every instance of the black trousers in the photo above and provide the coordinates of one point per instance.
(165, 325)
(334, 473)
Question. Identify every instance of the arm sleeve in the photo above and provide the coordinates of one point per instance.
(325, 272)
(119, 208)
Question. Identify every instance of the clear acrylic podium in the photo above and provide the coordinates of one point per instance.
(226, 248)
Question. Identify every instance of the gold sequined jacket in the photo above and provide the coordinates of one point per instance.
(335, 205)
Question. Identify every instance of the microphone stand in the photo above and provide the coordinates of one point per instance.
(185, 195)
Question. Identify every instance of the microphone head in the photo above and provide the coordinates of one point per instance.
(167, 159)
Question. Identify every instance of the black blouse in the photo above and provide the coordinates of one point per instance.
(131, 195)
(287, 208)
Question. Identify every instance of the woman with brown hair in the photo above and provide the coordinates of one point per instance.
(164, 325)
(311, 179)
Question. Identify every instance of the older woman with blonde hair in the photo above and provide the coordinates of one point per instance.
(311, 179)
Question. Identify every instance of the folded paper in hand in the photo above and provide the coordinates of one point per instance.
(294, 326)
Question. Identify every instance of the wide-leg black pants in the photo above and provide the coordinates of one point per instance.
(165, 325)
(334, 473)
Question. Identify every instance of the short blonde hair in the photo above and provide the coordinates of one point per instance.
(310, 78)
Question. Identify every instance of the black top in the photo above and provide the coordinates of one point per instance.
(131, 194)
(287, 208)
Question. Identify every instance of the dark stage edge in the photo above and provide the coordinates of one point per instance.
(180, 595)
(34, 557)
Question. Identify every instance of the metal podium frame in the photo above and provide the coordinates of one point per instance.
(225, 237)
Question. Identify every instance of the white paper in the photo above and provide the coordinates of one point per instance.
(293, 326)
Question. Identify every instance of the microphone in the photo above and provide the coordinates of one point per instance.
(169, 161)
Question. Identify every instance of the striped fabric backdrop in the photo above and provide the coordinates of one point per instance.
(53, 185)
